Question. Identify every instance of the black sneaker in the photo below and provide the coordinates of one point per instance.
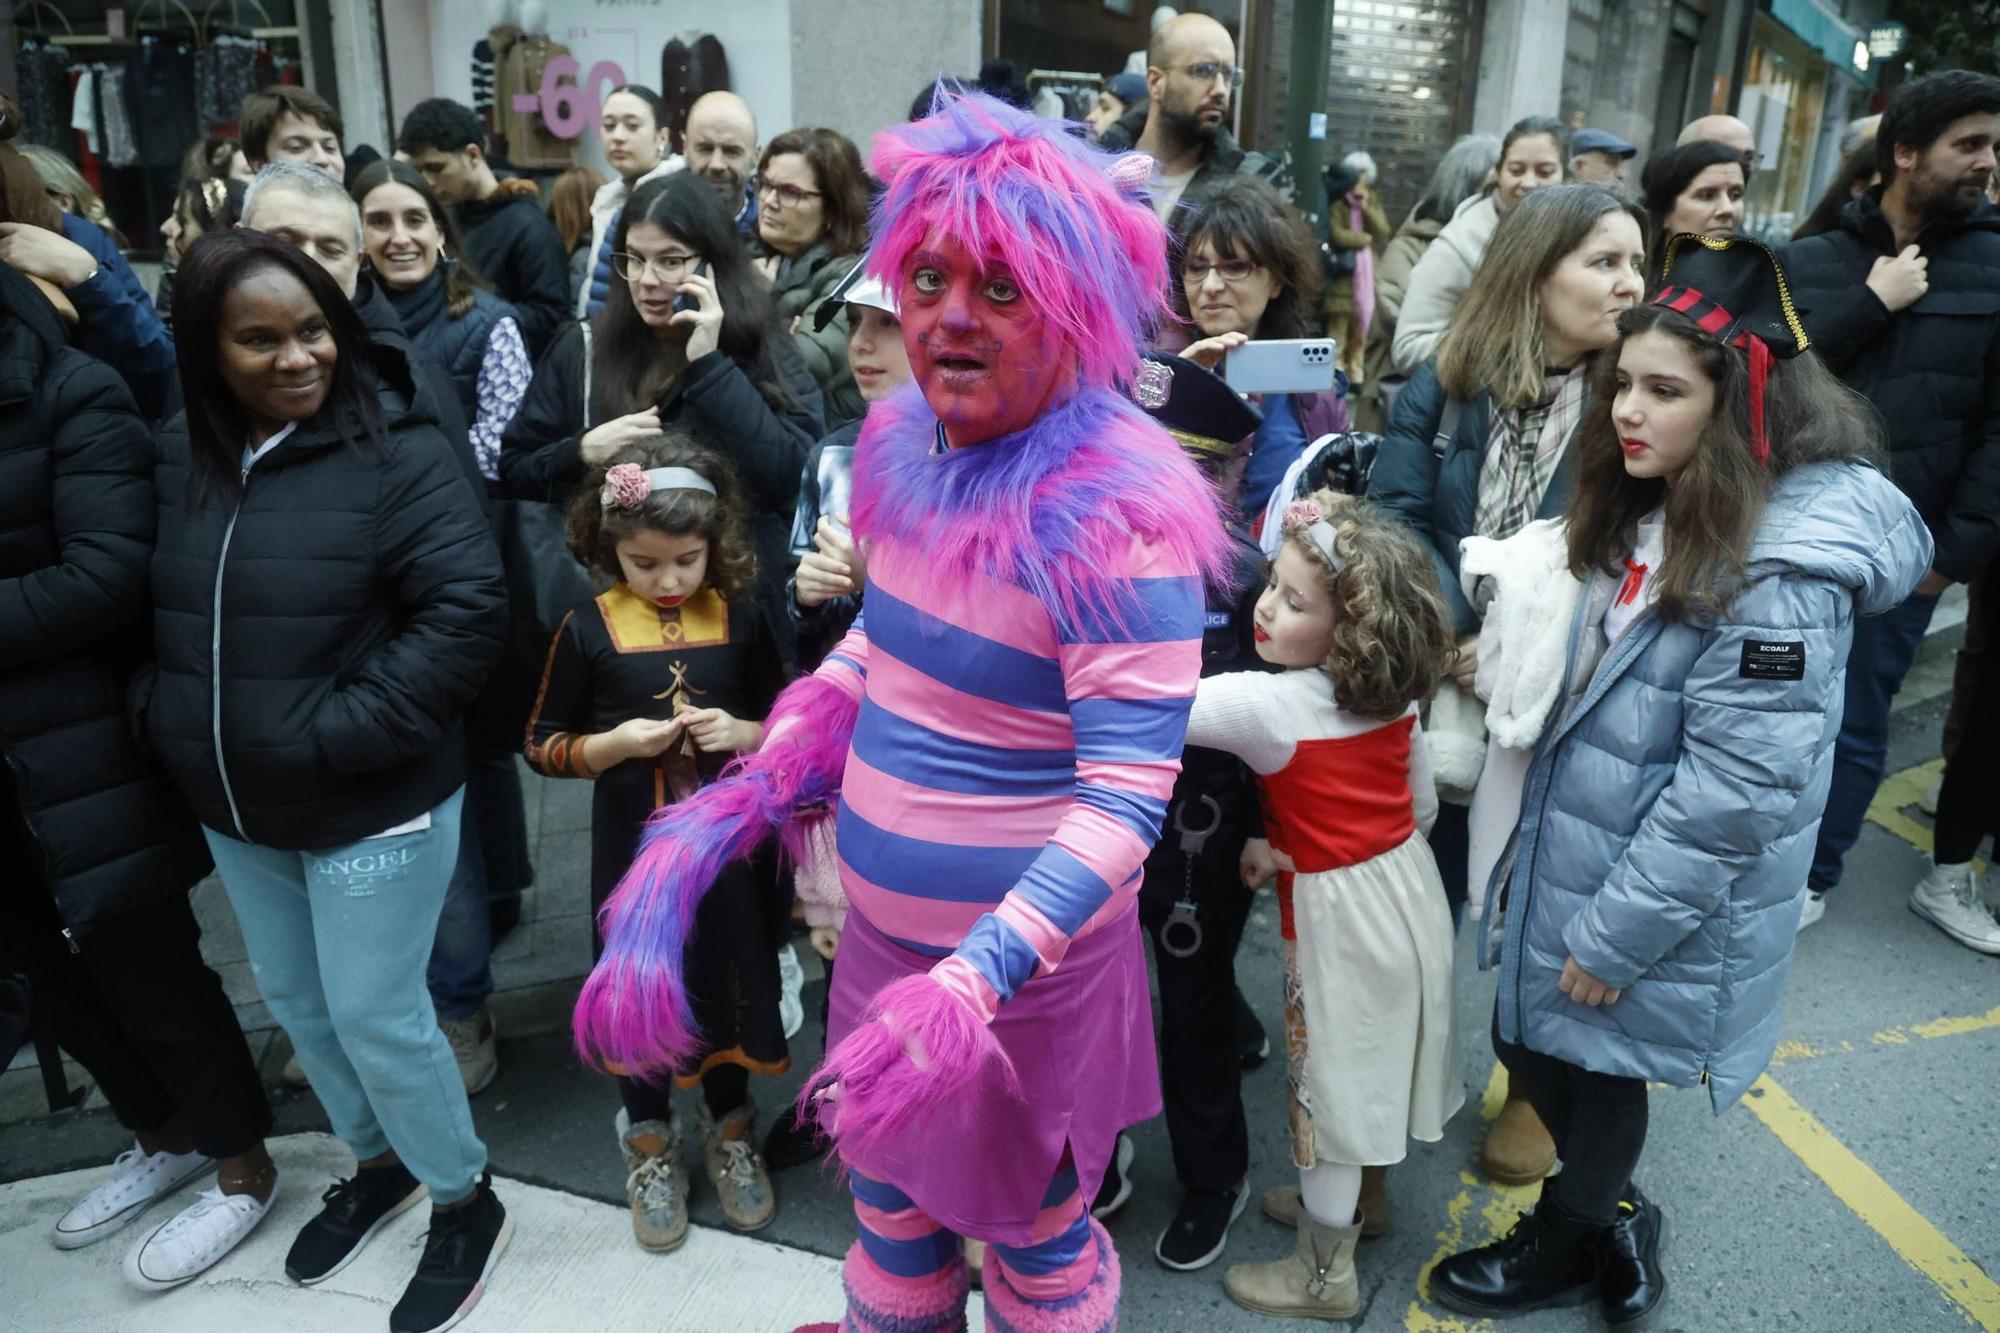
(355, 1210)
(1253, 1046)
(794, 1139)
(1117, 1186)
(1194, 1239)
(459, 1253)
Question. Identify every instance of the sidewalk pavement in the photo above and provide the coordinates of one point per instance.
(570, 1266)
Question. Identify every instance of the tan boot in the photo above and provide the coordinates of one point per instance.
(656, 1182)
(1316, 1281)
(1281, 1203)
(742, 1185)
(1518, 1148)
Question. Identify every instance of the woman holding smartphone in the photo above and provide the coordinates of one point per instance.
(1251, 271)
(688, 340)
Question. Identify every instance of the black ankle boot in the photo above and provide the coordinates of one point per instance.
(1633, 1284)
(1548, 1259)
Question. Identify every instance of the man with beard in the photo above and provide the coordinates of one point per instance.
(1183, 125)
(1902, 301)
(721, 148)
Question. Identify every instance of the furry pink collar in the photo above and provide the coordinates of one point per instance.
(1050, 509)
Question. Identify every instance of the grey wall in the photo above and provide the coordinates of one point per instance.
(856, 64)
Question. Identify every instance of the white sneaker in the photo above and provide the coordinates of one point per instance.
(1812, 910)
(791, 981)
(1949, 899)
(1928, 801)
(187, 1244)
(135, 1182)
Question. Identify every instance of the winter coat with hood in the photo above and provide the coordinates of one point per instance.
(1439, 280)
(1670, 812)
(76, 536)
(321, 634)
(1932, 370)
(519, 251)
(802, 282)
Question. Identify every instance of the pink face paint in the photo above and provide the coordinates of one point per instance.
(979, 347)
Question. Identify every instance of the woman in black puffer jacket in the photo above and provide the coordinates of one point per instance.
(99, 851)
(327, 602)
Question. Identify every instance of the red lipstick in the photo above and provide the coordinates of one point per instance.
(1257, 632)
(1633, 448)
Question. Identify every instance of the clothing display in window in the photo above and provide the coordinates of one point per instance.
(43, 72)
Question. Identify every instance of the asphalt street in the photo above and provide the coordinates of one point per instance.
(1854, 1191)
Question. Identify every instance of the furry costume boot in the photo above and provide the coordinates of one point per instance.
(1092, 1310)
(881, 1302)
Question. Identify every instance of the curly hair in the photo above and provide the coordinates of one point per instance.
(723, 518)
(1392, 638)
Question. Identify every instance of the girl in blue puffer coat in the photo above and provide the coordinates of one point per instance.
(1729, 524)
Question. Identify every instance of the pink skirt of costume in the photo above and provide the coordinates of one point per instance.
(1081, 1039)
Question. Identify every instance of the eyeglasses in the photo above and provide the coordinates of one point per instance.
(633, 268)
(1232, 270)
(1208, 71)
(788, 196)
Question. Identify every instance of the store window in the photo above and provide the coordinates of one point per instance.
(1783, 96)
(125, 91)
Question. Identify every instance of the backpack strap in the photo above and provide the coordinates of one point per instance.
(588, 357)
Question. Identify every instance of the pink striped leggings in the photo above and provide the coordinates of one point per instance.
(906, 1273)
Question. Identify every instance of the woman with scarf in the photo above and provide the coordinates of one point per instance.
(1479, 444)
(445, 306)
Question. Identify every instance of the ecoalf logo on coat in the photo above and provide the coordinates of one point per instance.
(1764, 660)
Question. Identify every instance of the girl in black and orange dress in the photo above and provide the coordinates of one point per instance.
(650, 689)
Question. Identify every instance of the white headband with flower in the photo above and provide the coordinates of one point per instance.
(1305, 516)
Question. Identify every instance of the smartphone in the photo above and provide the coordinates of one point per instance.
(1282, 365)
(686, 300)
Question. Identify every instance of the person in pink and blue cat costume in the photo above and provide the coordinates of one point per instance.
(1001, 729)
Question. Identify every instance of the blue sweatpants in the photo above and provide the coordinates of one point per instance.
(338, 939)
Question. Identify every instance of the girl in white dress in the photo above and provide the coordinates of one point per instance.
(1352, 610)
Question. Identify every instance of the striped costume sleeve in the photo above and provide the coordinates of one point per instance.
(1129, 680)
(847, 665)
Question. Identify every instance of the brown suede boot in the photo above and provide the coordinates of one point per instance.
(1518, 1148)
(1316, 1281)
(1281, 1203)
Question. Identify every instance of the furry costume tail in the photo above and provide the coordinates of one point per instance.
(633, 1012)
(918, 1051)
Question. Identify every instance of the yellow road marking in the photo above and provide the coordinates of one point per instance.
(1920, 1244)
(1488, 1207)
(1897, 793)
(1791, 1052)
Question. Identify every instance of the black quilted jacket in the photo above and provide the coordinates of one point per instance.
(1933, 370)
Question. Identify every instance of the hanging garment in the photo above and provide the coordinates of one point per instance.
(530, 142)
(160, 95)
(83, 110)
(43, 71)
(482, 77)
(121, 149)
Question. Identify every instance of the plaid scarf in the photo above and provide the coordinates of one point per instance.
(1526, 447)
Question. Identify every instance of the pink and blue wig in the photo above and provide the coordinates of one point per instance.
(1024, 193)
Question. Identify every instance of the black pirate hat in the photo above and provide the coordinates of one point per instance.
(1734, 287)
(1195, 404)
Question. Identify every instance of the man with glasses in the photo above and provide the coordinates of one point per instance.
(1191, 79)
